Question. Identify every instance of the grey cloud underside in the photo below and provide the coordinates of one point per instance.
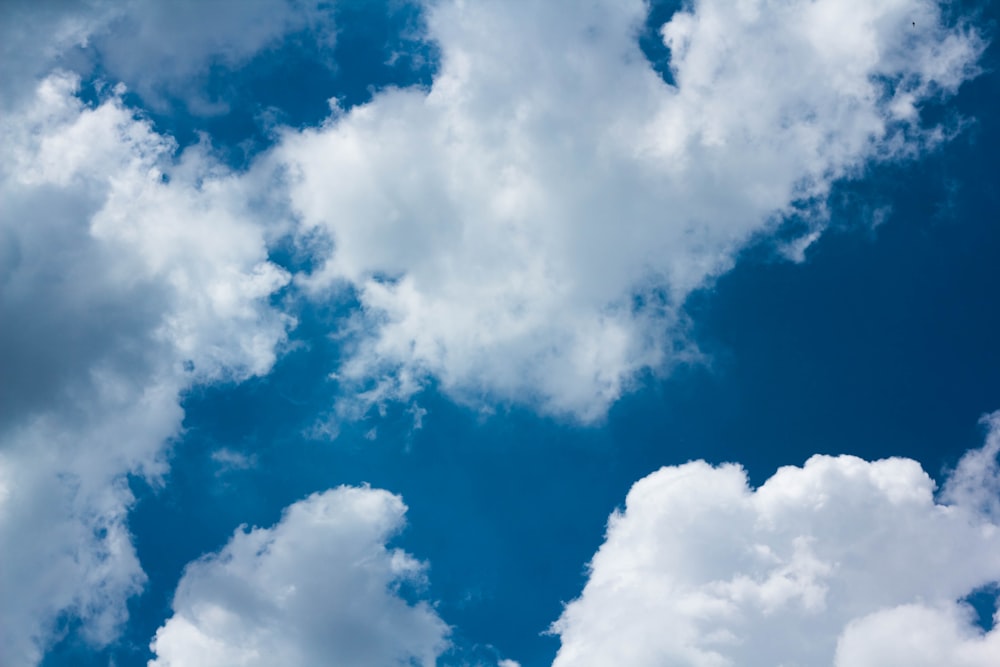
(69, 312)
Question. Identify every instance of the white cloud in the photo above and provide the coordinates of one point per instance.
(318, 588)
(499, 227)
(841, 562)
(496, 227)
(67, 548)
(918, 635)
(128, 275)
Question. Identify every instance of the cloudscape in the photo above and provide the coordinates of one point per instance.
(500, 334)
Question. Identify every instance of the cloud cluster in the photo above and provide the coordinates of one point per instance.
(128, 274)
(525, 230)
(840, 562)
(528, 228)
(318, 588)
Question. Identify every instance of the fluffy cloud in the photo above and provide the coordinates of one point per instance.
(918, 635)
(127, 275)
(63, 513)
(318, 588)
(528, 228)
(842, 561)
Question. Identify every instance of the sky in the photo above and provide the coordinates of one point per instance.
(499, 334)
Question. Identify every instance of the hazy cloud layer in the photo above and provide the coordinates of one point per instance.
(319, 588)
(162, 51)
(168, 49)
(840, 562)
(528, 229)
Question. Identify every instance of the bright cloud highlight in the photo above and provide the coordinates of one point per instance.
(319, 588)
(528, 229)
(840, 562)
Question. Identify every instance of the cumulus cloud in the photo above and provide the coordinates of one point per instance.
(129, 273)
(528, 228)
(318, 588)
(840, 562)
(64, 501)
(525, 230)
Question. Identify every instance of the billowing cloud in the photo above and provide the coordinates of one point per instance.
(528, 228)
(525, 230)
(318, 588)
(64, 501)
(840, 562)
(127, 275)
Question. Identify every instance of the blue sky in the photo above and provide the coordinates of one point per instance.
(335, 332)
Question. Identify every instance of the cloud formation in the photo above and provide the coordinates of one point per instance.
(318, 588)
(525, 230)
(840, 562)
(129, 274)
(528, 229)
